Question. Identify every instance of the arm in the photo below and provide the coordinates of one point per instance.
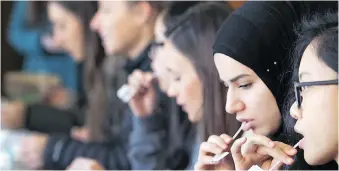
(22, 39)
(61, 150)
(47, 119)
(148, 142)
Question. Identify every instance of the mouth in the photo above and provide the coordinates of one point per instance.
(248, 123)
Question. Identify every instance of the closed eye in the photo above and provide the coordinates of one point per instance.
(246, 86)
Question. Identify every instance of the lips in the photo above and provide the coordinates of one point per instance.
(248, 123)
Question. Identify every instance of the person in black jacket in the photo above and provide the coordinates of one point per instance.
(128, 33)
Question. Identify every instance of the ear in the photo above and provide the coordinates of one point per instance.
(142, 12)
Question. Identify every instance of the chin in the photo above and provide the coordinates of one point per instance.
(314, 158)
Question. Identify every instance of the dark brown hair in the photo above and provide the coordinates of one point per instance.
(194, 37)
(94, 81)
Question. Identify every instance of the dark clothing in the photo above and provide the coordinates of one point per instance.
(159, 142)
(119, 152)
(61, 150)
(47, 119)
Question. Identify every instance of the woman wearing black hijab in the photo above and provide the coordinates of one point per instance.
(250, 55)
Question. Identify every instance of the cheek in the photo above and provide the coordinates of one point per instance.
(320, 118)
(193, 92)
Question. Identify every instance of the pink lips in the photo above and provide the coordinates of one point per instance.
(247, 125)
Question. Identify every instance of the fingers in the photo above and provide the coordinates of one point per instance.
(139, 80)
(218, 141)
(261, 140)
(207, 147)
(277, 153)
(286, 148)
(236, 149)
(227, 139)
(254, 142)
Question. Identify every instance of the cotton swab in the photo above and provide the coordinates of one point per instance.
(125, 93)
(275, 165)
(218, 157)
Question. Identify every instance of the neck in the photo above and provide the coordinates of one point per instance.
(336, 158)
(147, 36)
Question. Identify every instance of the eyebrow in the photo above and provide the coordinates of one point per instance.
(302, 74)
(238, 77)
(171, 71)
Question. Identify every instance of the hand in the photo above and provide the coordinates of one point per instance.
(143, 102)
(13, 115)
(81, 134)
(32, 149)
(58, 97)
(85, 164)
(259, 149)
(49, 44)
(214, 145)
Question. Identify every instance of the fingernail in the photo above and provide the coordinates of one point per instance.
(272, 144)
(289, 160)
(229, 140)
(293, 150)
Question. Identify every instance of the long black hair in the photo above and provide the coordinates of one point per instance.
(193, 34)
(94, 82)
(322, 29)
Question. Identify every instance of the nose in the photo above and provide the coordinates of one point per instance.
(94, 24)
(171, 92)
(233, 104)
(295, 111)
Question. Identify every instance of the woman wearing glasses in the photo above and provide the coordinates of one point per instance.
(316, 106)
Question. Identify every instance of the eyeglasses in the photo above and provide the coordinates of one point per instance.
(154, 47)
(298, 88)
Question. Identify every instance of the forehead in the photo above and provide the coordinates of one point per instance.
(113, 4)
(55, 10)
(174, 59)
(315, 68)
(229, 68)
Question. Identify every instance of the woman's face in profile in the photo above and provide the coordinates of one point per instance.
(317, 118)
(248, 97)
(67, 30)
(176, 74)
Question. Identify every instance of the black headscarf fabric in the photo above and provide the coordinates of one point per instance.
(259, 36)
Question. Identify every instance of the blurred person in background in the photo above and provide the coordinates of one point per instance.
(29, 33)
(183, 44)
(127, 30)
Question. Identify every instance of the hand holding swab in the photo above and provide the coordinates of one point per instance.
(218, 157)
(275, 165)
